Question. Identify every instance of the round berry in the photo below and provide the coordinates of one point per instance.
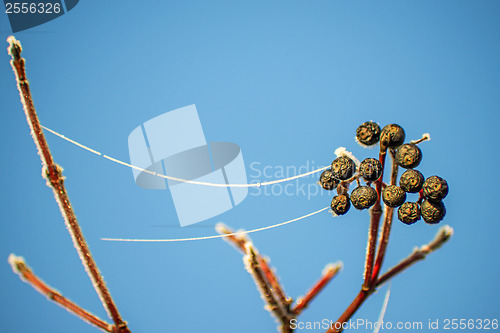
(393, 196)
(408, 156)
(368, 133)
(363, 197)
(409, 212)
(343, 168)
(411, 181)
(340, 204)
(392, 136)
(370, 169)
(327, 181)
(435, 188)
(432, 211)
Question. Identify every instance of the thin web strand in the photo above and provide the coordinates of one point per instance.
(214, 236)
(272, 182)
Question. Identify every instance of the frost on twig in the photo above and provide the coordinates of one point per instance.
(271, 291)
(20, 267)
(240, 240)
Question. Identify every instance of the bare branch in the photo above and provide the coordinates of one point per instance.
(443, 235)
(53, 173)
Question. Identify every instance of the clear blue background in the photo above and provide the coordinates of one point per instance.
(289, 81)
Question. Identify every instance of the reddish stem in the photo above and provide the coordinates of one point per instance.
(328, 275)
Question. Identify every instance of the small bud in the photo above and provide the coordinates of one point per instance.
(432, 212)
(408, 156)
(370, 169)
(343, 168)
(393, 196)
(409, 212)
(368, 133)
(363, 197)
(411, 181)
(435, 188)
(392, 136)
(340, 204)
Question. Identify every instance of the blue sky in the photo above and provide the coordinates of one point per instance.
(289, 81)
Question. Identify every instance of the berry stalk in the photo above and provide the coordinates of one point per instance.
(376, 213)
(386, 228)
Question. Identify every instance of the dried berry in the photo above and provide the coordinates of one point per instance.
(363, 197)
(343, 168)
(368, 133)
(340, 204)
(409, 212)
(432, 211)
(408, 156)
(411, 181)
(327, 181)
(370, 169)
(392, 136)
(435, 188)
(393, 196)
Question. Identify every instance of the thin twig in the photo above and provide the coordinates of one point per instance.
(53, 174)
(330, 271)
(26, 274)
(443, 235)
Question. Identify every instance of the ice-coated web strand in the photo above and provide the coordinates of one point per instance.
(272, 182)
(215, 236)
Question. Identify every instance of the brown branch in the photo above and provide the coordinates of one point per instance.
(26, 274)
(330, 271)
(53, 174)
(443, 235)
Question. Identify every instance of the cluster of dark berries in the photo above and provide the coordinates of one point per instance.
(343, 169)
(408, 156)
